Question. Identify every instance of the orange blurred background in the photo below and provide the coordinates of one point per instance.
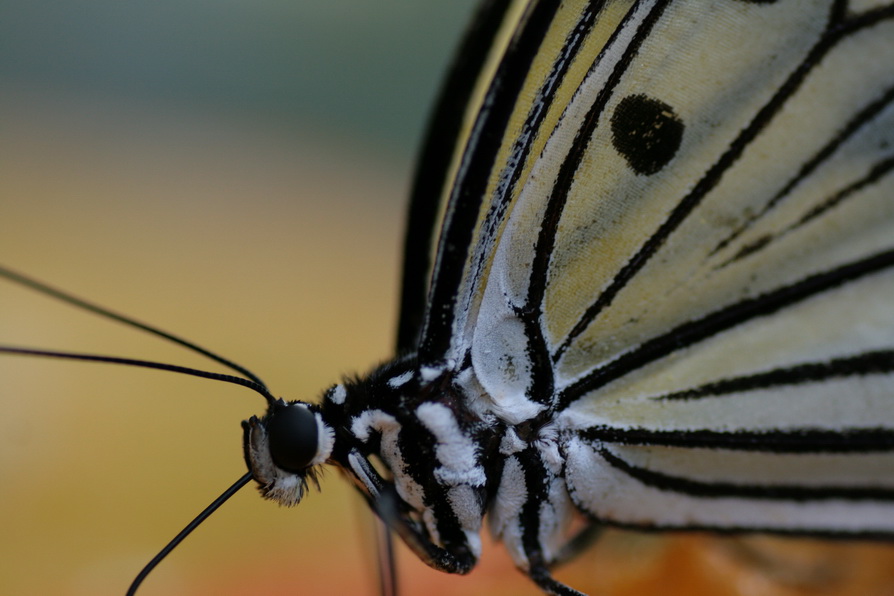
(270, 234)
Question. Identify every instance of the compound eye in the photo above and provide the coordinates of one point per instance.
(294, 437)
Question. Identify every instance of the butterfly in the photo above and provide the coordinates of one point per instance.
(661, 240)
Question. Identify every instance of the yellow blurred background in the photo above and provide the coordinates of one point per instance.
(235, 173)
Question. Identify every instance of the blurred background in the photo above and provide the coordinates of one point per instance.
(234, 172)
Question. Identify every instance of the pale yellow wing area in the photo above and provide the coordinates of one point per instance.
(688, 159)
(554, 72)
(691, 263)
(613, 212)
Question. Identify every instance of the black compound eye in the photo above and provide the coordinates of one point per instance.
(294, 438)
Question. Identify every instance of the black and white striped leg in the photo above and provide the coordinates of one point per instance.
(383, 499)
(549, 585)
(531, 515)
(582, 540)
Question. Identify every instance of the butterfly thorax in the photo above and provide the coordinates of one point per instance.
(427, 460)
(419, 454)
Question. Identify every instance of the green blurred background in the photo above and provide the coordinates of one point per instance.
(367, 70)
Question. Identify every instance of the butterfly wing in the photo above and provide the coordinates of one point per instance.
(672, 229)
(451, 119)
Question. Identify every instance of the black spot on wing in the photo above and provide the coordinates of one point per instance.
(646, 132)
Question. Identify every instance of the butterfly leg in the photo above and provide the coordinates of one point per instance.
(581, 541)
(539, 572)
(549, 585)
(383, 499)
(531, 514)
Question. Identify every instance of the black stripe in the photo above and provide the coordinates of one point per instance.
(441, 142)
(875, 174)
(542, 387)
(835, 33)
(695, 331)
(733, 530)
(418, 449)
(775, 492)
(799, 440)
(468, 193)
(568, 170)
(838, 11)
(868, 363)
(536, 493)
(862, 119)
(521, 148)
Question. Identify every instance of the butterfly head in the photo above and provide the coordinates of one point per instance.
(285, 448)
(407, 444)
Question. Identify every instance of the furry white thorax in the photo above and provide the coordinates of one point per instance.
(456, 452)
(459, 472)
(505, 518)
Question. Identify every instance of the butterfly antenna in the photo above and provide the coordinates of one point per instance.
(214, 506)
(106, 313)
(260, 388)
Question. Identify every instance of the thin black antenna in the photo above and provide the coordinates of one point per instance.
(250, 380)
(104, 312)
(260, 388)
(186, 531)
